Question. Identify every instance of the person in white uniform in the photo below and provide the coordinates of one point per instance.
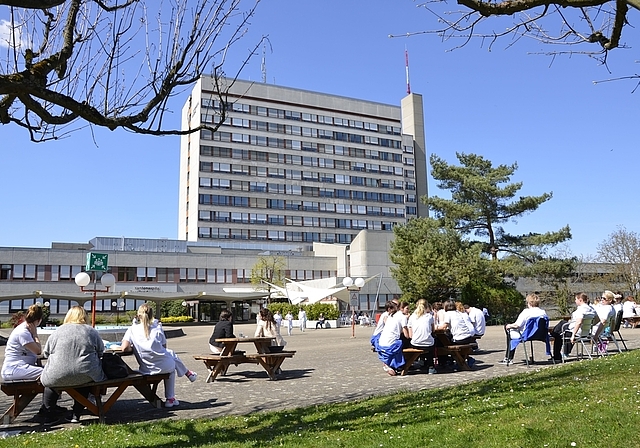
(147, 340)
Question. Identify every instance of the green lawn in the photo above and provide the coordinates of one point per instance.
(584, 404)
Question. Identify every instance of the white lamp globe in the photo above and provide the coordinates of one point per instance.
(108, 280)
(82, 279)
(359, 282)
(114, 304)
(347, 281)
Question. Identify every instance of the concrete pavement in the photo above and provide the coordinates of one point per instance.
(329, 366)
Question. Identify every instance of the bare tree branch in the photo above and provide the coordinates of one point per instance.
(113, 63)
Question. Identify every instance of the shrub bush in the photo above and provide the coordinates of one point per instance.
(176, 319)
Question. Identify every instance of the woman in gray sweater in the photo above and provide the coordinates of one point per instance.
(73, 355)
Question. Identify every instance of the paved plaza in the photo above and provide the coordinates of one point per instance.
(329, 366)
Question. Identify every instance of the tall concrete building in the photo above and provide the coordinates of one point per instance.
(291, 167)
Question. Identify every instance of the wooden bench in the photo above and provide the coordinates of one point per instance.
(459, 352)
(24, 392)
(218, 364)
(410, 356)
(271, 362)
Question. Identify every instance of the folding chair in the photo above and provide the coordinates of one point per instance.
(616, 329)
(535, 329)
(581, 339)
(606, 336)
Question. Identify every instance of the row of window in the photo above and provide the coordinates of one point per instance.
(293, 159)
(309, 206)
(311, 176)
(43, 273)
(293, 236)
(305, 221)
(302, 190)
(282, 143)
(272, 112)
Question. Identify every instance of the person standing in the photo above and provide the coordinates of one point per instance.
(278, 318)
(302, 318)
(147, 340)
(289, 319)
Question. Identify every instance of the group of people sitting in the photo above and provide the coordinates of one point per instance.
(600, 316)
(73, 353)
(398, 329)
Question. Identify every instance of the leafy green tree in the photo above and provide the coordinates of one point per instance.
(433, 261)
(173, 308)
(482, 199)
(270, 269)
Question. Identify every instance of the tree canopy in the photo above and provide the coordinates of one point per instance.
(268, 268)
(113, 63)
(482, 199)
(433, 261)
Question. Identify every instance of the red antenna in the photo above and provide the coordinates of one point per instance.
(406, 62)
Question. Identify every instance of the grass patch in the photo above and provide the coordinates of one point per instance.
(584, 404)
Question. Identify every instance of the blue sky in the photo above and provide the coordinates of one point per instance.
(568, 135)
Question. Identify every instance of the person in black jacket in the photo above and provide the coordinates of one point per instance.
(223, 329)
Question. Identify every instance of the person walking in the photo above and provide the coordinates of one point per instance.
(289, 318)
(302, 318)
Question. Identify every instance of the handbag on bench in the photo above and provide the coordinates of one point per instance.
(114, 367)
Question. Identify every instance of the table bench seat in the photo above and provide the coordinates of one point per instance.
(23, 392)
(218, 364)
(410, 356)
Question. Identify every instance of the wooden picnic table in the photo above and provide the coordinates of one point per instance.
(219, 363)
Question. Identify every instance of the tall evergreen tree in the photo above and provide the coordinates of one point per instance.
(482, 199)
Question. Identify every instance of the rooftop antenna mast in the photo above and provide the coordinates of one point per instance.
(406, 65)
(263, 66)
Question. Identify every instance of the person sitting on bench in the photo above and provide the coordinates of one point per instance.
(267, 328)
(320, 322)
(73, 355)
(223, 329)
(23, 348)
(147, 340)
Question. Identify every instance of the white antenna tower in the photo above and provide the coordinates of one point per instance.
(263, 66)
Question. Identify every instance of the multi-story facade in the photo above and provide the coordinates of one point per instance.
(291, 167)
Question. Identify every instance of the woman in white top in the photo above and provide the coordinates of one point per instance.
(23, 348)
(583, 311)
(149, 344)
(389, 345)
(268, 328)
(420, 331)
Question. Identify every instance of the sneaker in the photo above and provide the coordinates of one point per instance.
(432, 371)
(470, 361)
(73, 418)
(51, 419)
(391, 371)
(192, 375)
(506, 362)
(171, 402)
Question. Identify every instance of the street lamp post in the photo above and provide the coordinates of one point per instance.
(83, 279)
(117, 306)
(353, 286)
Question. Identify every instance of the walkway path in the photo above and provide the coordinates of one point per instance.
(329, 366)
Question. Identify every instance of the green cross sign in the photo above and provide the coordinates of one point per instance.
(97, 262)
